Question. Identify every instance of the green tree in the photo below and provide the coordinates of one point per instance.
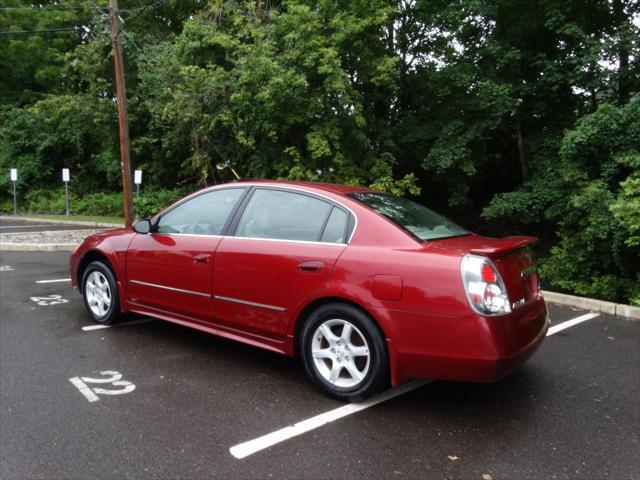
(290, 92)
(32, 63)
(598, 252)
(511, 116)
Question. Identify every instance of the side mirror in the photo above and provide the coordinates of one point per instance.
(142, 226)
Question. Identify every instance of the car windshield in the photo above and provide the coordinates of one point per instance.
(420, 221)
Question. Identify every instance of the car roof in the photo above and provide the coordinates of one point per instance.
(329, 187)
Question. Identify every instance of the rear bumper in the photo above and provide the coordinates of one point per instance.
(491, 370)
(490, 349)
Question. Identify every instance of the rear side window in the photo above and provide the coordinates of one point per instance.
(205, 214)
(421, 222)
(283, 216)
(336, 227)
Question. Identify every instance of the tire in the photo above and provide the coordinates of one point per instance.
(100, 293)
(344, 353)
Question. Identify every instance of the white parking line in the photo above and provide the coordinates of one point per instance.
(55, 280)
(571, 323)
(250, 447)
(123, 324)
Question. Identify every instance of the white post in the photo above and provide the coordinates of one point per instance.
(65, 179)
(14, 179)
(137, 179)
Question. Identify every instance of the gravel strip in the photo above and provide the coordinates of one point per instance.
(51, 237)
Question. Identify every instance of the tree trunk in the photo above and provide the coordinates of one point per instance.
(522, 153)
(622, 27)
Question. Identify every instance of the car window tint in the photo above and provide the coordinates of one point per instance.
(336, 226)
(205, 214)
(423, 223)
(283, 215)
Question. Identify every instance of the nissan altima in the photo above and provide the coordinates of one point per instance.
(367, 289)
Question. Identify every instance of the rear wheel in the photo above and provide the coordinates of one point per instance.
(344, 352)
(100, 293)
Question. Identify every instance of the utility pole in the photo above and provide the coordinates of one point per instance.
(123, 123)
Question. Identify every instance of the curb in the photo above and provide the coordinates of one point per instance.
(616, 309)
(64, 222)
(38, 247)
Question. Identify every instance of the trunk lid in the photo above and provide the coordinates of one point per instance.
(499, 246)
(518, 271)
(512, 256)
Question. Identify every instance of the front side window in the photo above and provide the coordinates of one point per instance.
(422, 222)
(282, 215)
(205, 214)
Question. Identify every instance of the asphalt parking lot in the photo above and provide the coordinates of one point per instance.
(184, 399)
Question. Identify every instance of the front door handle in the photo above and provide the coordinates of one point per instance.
(201, 258)
(310, 267)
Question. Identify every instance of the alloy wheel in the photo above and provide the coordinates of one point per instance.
(98, 293)
(340, 353)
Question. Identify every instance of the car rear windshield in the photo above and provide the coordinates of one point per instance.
(423, 223)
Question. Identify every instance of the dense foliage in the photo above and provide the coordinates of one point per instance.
(510, 116)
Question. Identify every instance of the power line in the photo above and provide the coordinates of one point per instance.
(50, 8)
(134, 12)
(45, 30)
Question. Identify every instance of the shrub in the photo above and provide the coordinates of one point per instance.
(99, 204)
(6, 206)
(153, 201)
(42, 200)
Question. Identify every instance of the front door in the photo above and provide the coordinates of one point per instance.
(170, 269)
(284, 247)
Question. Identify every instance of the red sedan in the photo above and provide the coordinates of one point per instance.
(368, 289)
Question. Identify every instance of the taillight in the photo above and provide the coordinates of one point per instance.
(483, 284)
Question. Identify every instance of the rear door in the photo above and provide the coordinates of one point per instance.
(171, 268)
(284, 246)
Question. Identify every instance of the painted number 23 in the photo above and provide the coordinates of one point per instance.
(112, 378)
(49, 300)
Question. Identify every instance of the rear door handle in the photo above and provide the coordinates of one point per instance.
(201, 258)
(310, 267)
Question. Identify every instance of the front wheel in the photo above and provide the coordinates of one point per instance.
(100, 293)
(344, 352)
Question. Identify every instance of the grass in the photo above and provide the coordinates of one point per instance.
(79, 218)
